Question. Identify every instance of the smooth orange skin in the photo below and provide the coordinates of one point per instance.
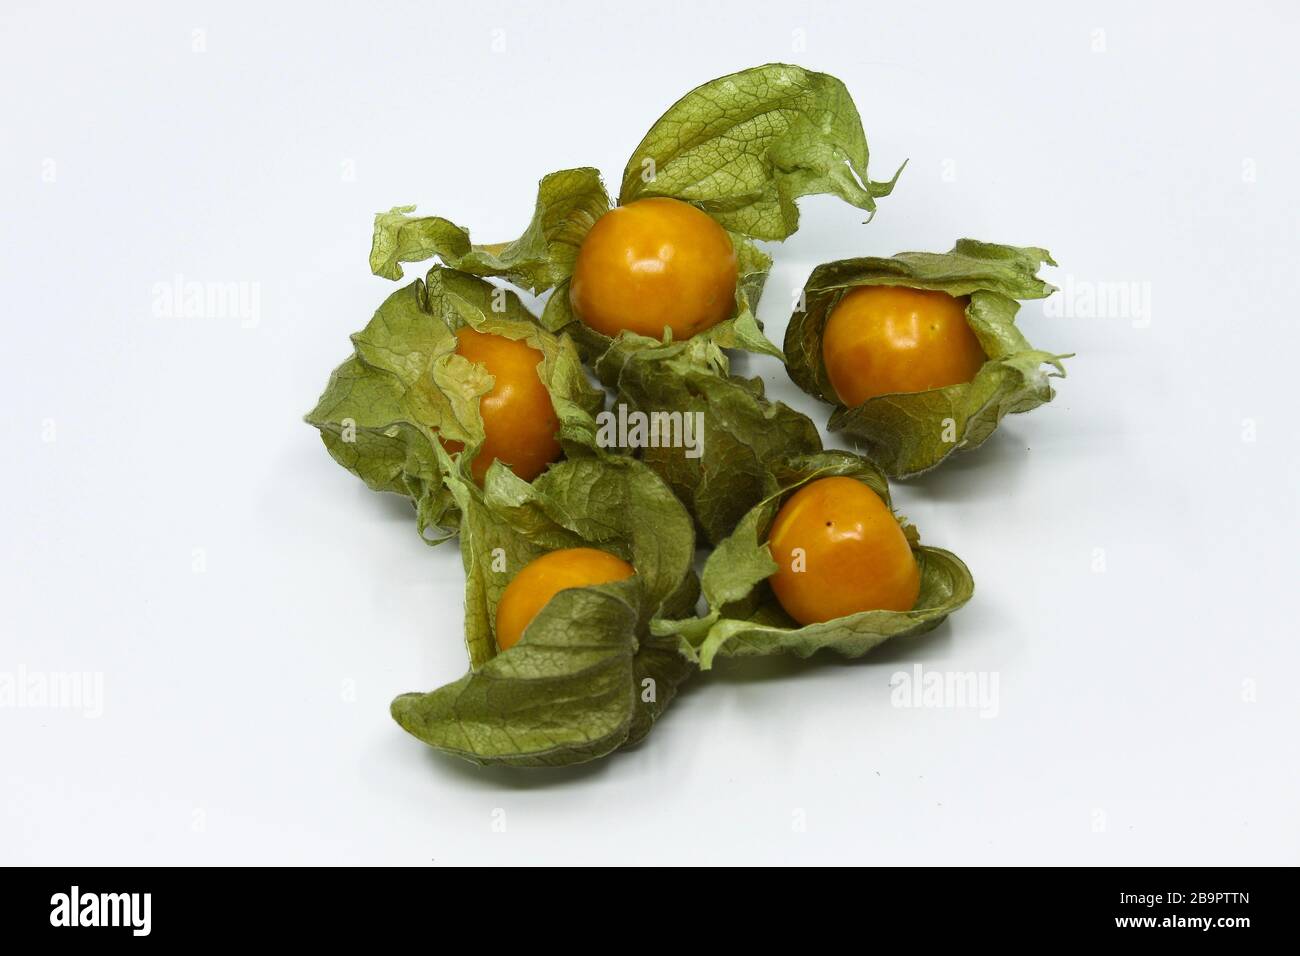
(884, 339)
(651, 264)
(542, 578)
(856, 557)
(519, 420)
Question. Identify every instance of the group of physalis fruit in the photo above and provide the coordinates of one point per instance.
(583, 607)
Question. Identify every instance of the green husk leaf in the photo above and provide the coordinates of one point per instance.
(908, 433)
(574, 687)
(384, 409)
(562, 697)
(737, 432)
(369, 429)
(744, 618)
(741, 331)
(568, 203)
(744, 147)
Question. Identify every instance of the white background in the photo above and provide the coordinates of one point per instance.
(169, 522)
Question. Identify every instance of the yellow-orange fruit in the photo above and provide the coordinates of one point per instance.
(885, 339)
(839, 550)
(654, 264)
(544, 577)
(519, 420)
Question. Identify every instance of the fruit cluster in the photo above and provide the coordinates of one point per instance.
(583, 607)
